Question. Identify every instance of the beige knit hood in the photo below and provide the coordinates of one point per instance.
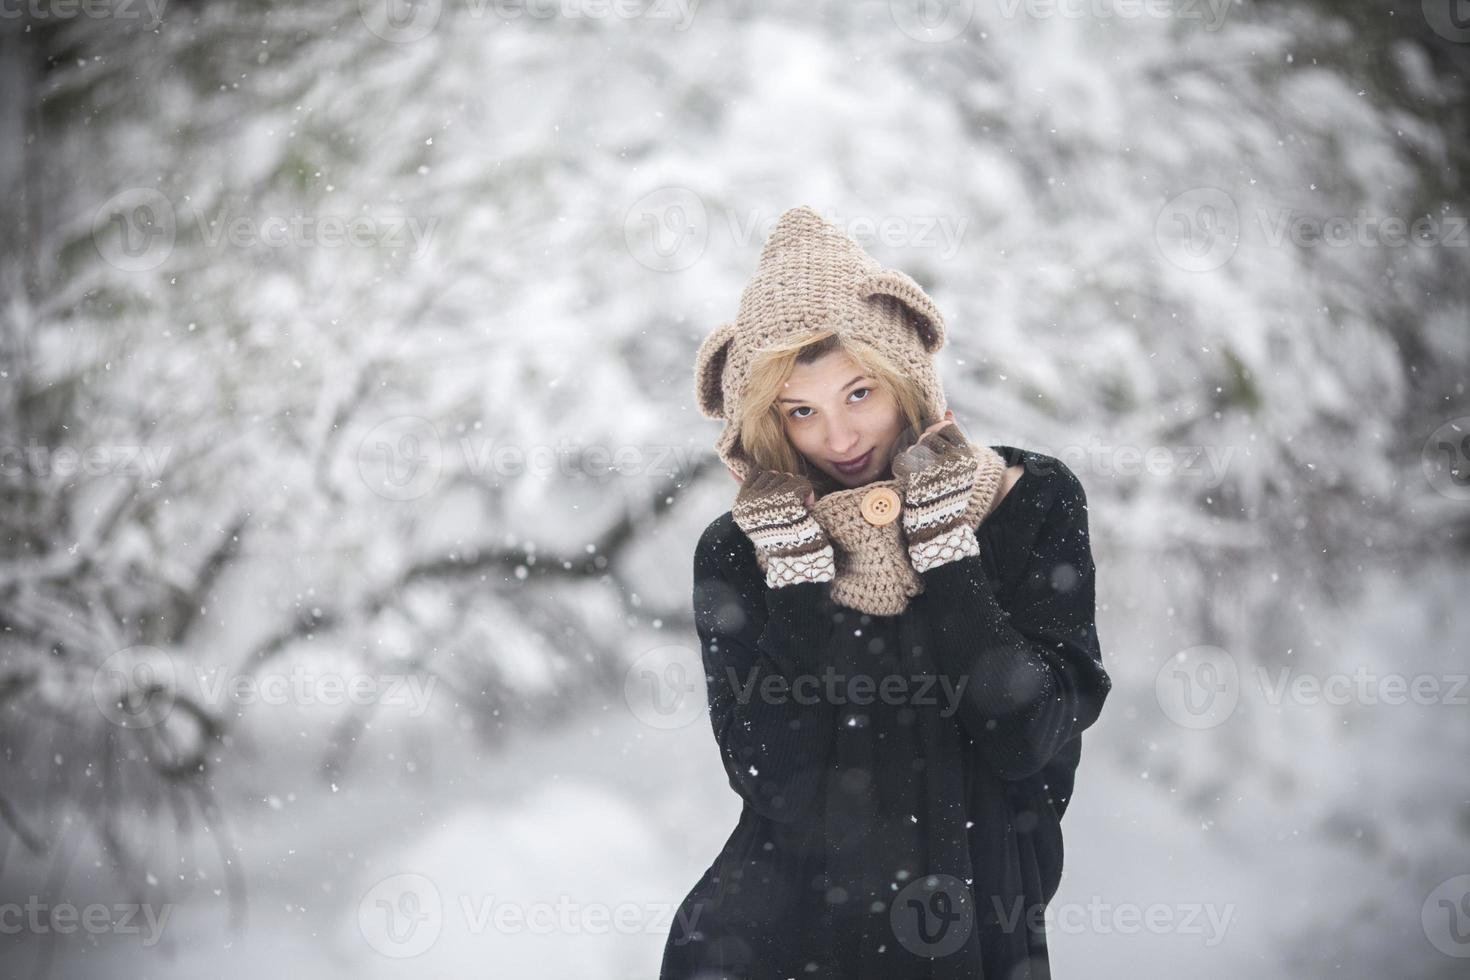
(811, 276)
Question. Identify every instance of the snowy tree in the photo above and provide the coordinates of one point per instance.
(329, 338)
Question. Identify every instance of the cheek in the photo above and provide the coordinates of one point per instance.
(887, 419)
(798, 435)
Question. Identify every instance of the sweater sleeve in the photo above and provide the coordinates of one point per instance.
(1035, 673)
(755, 640)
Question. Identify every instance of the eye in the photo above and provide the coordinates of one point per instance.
(863, 392)
(793, 412)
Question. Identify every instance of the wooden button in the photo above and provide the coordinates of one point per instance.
(881, 506)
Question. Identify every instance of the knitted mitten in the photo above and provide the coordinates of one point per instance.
(937, 480)
(790, 546)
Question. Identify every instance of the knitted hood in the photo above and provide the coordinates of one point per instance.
(810, 276)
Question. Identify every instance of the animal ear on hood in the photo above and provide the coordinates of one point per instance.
(709, 369)
(922, 313)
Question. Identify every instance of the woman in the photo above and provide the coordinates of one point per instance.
(897, 628)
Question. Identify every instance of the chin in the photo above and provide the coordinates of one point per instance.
(855, 479)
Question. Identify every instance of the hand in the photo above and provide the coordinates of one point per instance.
(773, 509)
(908, 461)
(811, 497)
(937, 477)
(948, 418)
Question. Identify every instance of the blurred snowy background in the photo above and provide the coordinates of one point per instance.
(351, 472)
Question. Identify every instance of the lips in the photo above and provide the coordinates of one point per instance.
(856, 465)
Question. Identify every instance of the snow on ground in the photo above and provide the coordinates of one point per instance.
(410, 865)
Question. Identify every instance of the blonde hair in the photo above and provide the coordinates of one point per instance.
(762, 426)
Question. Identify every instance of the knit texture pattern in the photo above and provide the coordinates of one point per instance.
(935, 503)
(811, 277)
(875, 572)
(790, 545)
(819, 566)
(952, 545)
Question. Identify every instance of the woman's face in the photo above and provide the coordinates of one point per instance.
(834, 413)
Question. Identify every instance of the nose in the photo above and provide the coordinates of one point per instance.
(842, 440)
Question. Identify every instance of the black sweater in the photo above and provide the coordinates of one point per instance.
(904, 777)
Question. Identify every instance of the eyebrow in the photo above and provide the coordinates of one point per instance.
(854, 381)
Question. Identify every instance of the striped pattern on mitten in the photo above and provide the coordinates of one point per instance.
(790, 546)
(937, 475)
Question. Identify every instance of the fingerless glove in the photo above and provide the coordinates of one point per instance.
(790, 546)
(938, 479)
